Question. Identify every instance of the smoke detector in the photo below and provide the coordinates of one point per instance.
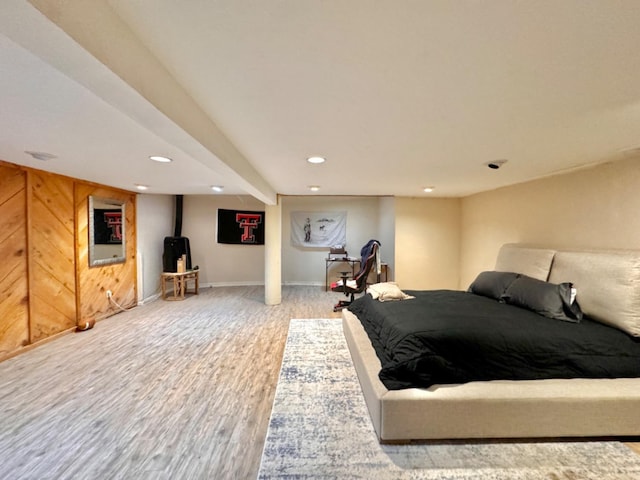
(496, 164)
(44, 156)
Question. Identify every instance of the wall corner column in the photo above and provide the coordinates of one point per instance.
(273, 254)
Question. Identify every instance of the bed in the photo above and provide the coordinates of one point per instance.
(499, 397)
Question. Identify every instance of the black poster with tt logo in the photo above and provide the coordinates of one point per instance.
(240, 227)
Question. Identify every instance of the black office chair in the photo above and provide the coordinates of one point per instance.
(357, 284)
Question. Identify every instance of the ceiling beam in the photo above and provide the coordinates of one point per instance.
(96, 28)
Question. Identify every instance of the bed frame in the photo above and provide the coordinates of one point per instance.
(608, 284)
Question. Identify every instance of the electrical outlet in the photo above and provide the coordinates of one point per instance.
(109, 293)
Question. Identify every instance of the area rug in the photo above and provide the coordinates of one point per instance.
(320, 429)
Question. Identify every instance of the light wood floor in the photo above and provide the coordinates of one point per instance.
(169, 390)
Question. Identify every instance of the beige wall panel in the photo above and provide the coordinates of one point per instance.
(593, 208)
(93, 282)
(427, 244)
(51, 255)
(14, 326)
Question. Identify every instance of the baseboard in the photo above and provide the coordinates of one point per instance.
(156, 296)
(36, 344)
(231, 284)
(149, 299)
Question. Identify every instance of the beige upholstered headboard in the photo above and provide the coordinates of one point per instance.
(608, 281)
(530, 261)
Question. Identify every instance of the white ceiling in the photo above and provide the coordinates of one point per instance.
(396, 94)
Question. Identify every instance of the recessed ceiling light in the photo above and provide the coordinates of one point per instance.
(314, 188)
(316, 160)
(44, 156)
(157, 158)
(428, 189)
(141, 187)
(217, 188)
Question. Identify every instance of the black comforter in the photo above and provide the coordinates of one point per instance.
(445, 337)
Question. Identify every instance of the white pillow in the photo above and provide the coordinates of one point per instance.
(387, 291)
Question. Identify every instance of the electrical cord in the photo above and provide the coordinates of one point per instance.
(119, 306)
(88, 325)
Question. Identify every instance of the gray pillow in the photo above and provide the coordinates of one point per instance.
(492, 284)
(548, 299)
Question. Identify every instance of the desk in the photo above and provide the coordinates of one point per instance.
(180, 283)
(328, 261)
(384, 269)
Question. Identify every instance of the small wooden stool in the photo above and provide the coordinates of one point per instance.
(180, 284)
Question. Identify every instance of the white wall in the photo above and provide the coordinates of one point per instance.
(387, 233)
(221, 264)
(154, 221)
(306, 266)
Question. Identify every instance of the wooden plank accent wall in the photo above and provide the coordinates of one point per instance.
(52, 281)
(120, 278)
(14, 319)
(46, 284)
